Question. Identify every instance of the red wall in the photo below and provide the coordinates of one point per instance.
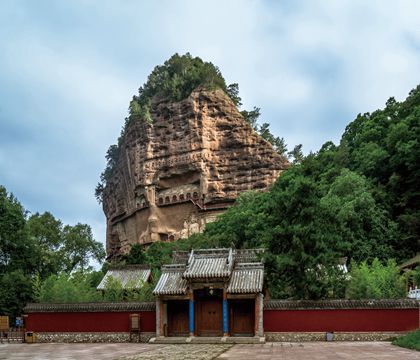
(88, 321)
(350, 320)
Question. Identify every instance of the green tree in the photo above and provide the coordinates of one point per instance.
(114, 291)
(233, 92)
(79, 247)
(252, 117)
(383, 146)
(137, 255)
(15, 292)
(376, 281)
(296, 154)
(359, 220)
(279, 144)
(44, 231)
(15, 248)
(69, 288)
(416, 276)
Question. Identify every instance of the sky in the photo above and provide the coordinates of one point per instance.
(68, 70)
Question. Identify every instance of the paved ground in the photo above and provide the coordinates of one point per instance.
(293, 351)
(320, 350)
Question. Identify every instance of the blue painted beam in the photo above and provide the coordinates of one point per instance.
(191, 316)
(225, 317)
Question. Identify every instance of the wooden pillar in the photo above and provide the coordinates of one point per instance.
(162, 319)
(256, 315)
(225, 316)
(191, 313)
(259, 311)
(158, 317)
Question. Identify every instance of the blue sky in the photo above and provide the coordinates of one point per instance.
(68, 70)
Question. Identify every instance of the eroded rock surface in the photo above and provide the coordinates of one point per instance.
(179, 173)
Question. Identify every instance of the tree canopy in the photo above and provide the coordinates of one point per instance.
(37, 247)
(358, 200)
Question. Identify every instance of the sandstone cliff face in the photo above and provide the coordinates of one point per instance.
(179, 173)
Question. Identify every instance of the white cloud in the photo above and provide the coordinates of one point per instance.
(69, 69)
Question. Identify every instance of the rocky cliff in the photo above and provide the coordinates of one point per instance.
(178, 173)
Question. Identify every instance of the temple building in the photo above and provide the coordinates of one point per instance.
(211, 293)
(129, 276)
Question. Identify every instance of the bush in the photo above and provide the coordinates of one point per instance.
(377, 281)
(409, 341)
(68, 288)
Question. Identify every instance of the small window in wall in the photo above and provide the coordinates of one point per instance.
(160, 200)
(163, 237)
(174, 198)
(188, 196)
(181, 197)
(167, 200)
(171, 238)
(143, 205)
(195, 195)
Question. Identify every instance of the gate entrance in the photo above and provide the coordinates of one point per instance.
(177, 318)
(209, 313)
(242, 317)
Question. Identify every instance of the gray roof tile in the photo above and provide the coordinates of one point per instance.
(171, 281)
(130, 277)
(248, 255)
(90, 307)
(213, 263)
(246, 278)
(216, 264)
(341, 304)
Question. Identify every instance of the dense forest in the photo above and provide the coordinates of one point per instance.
(357, 201)
(34, 248)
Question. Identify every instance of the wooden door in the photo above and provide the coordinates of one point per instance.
(209, 317)
(177, 312)
(242, 317)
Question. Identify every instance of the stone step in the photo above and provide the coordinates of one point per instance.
(168, 340)
(208, 340)
(245, 340)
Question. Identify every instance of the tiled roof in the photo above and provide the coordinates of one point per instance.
(129, 276)
(90, 307)
(180, 257)
(246, 278)
(411, 262)
(213, 263)
(341, 304)
(248, 255)
(171, 281)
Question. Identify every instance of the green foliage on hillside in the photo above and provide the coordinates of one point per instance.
(385, 147)
(176, 79)
(37, 247)
(358, 200)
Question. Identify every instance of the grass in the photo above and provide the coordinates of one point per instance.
(409, 341)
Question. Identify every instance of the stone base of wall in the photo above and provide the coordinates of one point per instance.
(337, 336)
(73, 337)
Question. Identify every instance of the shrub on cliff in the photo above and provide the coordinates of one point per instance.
(174, 81)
